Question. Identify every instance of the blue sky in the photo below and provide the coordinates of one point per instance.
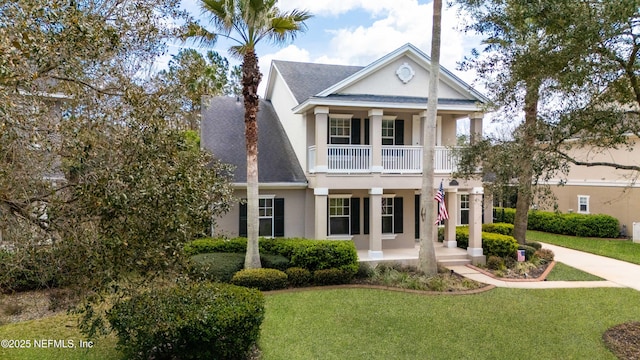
(357, 32)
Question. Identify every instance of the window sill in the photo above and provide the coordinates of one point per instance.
(389, 236)
(340, 237)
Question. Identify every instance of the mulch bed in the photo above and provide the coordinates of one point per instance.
(537, 274)
(624, 340)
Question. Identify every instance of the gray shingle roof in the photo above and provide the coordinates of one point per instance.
(222, 131)
(308, 79)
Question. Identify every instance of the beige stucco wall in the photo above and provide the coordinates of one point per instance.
(620, 202)
(294, 213)
(385, 82)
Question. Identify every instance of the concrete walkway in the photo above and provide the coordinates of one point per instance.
(615, 272)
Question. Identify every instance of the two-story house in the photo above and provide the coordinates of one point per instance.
(340, 152)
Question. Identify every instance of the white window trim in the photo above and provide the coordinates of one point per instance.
(392, 233)
(272, 217)
(586, 197)
(329, 216)
(340, 117)
(460, 208)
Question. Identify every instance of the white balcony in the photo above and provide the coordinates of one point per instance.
(349, 159)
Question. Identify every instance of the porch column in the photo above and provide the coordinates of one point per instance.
(322, 125)
(375, 119)
(475, 226)
(475, 122)
(375, 223)
(488, 207)
(451, 200)
(321, 213)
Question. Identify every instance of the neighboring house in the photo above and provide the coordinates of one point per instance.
(340, 152)
(601, 189)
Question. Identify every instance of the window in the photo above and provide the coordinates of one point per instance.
(388, 132)
(464, 209)
(265, 216)
(339, 216)
(340, 130)
(583, 204)
(387, 215)
(270, 217)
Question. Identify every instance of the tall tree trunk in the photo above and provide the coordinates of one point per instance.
(427, 255)
(526, 163)
(250, 80)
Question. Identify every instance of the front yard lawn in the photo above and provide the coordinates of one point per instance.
(376, 324)
(498, 324)
(624, 250)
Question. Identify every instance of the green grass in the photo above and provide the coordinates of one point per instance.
(624, 250)
(499, 324)
(376, 324)
(563, 272)
(60, 327)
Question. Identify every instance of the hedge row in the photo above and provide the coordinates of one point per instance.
(189, 321)
(312, 255)
(496, 244)
(585, 225)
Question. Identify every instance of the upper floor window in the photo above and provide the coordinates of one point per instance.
(583, 204)
(340, 130)
(388, 132)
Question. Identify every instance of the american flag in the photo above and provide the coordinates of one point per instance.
(521, 256)
(442, 208)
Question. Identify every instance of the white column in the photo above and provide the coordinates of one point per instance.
(322, 124)
(451, 200)
(375, 223)
(321, 213)
(475, 226)
(488, 208)
(475, 127)
(375, 119)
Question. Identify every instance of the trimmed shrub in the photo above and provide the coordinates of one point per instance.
(309, 254)
(498, 228)
(23, 270)
(495, 263)
(274, 262)
(499, 245)
(534, 244)
(209, 245)
(189, 321)
(261, 279)
(298, 277)
(216, 266)
(528, 251)
(504, 215)
(332, 276)
(545, 255)
(585, 225)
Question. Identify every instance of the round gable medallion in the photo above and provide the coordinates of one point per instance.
(405, 73)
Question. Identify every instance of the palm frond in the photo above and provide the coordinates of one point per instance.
(198, 34)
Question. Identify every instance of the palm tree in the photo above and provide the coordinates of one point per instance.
(427, 255)
(247, 22)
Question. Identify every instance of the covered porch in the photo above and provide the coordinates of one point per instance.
(445, 256)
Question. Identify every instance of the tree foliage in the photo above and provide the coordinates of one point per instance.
(563, 65)
(247, 23)
(92, 167)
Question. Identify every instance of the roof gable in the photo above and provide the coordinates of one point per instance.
(451, 86)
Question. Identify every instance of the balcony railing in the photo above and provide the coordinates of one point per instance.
(348, 159)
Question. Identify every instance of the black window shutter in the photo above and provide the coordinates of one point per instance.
(416, 214)
(365, 222)
(355, 216)
(355, 131)
(399, 132)
(397, 215)
(278, 217)
(242, 232)
(366, 132)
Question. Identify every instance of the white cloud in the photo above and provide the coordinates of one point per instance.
(289, 53)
